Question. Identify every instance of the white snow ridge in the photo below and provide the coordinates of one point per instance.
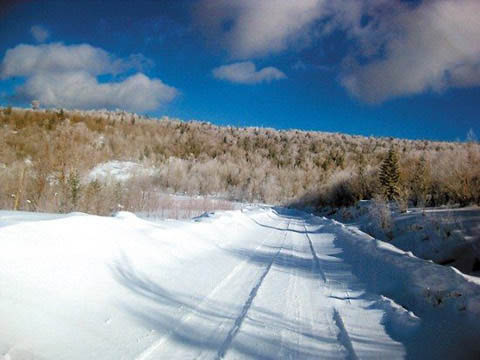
(257, 283)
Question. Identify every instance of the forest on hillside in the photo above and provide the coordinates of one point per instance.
(47, 155)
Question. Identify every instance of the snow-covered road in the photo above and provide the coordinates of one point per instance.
(287, 297)
(259, 283)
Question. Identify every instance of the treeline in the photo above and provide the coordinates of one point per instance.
(46, 156)
(423, 178)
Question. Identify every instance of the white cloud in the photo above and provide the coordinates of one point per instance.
(396, 48)
(247, 73)
(437, 47)
(256, 28)
(66, 76)
(26, 60)
(39, 33)
(81, 90)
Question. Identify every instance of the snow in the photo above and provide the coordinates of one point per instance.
(119, 171)
(445, 235)
(259, 282)
(177, 206)
(14, 217)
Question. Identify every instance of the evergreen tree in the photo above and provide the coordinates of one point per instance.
(389, 176)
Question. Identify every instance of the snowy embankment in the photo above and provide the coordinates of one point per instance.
(448, 236)
(441, 296)
(256, 283)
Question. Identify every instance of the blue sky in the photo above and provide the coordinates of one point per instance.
(406, 69)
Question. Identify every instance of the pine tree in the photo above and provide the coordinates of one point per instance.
(389, 176)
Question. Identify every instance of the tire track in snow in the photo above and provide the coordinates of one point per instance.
(295, 354)
(343, 336)
(145, 354)
(253, 293)
(319, 267)
(292, 293)
(314, 255)
(332, 323)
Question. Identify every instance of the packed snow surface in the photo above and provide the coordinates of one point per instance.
(265, 283)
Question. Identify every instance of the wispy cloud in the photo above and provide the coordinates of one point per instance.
(247, 73)
(256, 28)
(66, 76)
(39, 33)
(395, 48)
(435, 47)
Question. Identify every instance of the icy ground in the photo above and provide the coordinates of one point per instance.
(254, 283)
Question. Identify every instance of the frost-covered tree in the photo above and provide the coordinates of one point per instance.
(247, 164)
(389, 175)
(419, 182)
(74, 188)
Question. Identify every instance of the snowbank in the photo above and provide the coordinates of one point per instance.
(446, 300)
(446, 236)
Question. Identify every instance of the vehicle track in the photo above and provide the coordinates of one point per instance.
(318, 267)
(253, 293)
(237, 270)
(343, 336)
(284, 297)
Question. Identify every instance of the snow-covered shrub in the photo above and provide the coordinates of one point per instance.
(443, 225)
(380, 215)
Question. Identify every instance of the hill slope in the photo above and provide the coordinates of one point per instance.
(48, 157)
